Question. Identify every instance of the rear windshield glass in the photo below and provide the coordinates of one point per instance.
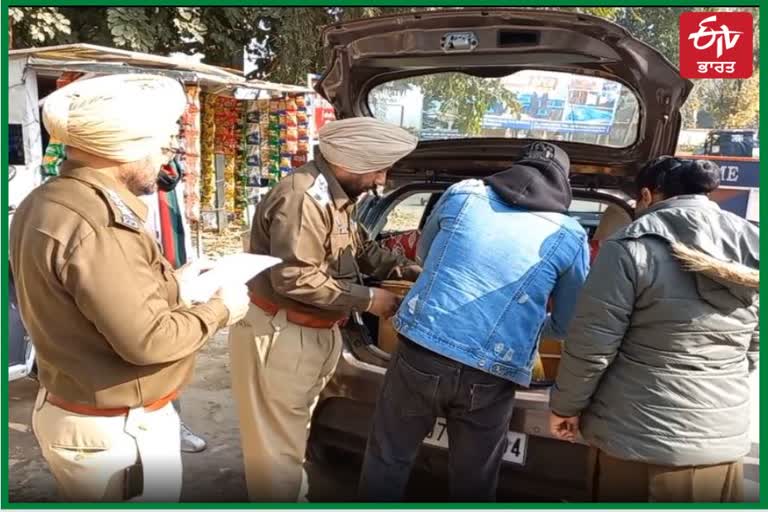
(524, 105)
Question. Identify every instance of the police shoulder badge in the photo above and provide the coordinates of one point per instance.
(319, 191)
(124, 215)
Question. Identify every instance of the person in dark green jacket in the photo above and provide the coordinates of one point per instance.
(654, 372)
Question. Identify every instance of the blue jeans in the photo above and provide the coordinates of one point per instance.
(420, 386)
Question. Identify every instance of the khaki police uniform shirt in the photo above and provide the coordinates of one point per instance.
(99, 300)
(307, 220)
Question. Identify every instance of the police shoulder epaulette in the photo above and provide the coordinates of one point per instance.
(319, 191)
(123, 214)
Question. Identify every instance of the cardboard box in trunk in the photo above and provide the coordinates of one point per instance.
(387, 334)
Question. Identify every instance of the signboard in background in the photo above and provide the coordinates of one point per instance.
(558, 102)
(735, 172)
(739, 189)
(323, 114)
(736, 201)
(322, 111)
(738, 173)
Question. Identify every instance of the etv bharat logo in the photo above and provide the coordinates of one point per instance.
(723, 36)
(716, 45)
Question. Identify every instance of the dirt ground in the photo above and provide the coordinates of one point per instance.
(215, 475)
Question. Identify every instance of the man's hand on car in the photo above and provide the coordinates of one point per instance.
(411, 272)
(565, 428)
(384, 304)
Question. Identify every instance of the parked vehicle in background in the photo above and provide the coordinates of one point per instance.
(740, 143)
(21, 353)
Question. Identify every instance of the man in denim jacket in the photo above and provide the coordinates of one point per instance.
(494, 252)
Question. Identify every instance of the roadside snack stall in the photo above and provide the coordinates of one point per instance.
(238, 137)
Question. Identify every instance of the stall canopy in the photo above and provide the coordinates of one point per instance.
(89, 58)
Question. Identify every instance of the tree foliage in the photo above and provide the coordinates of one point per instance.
(220, 33)
(283, 43)
(35, 26)
(464, 100)
(733, 103)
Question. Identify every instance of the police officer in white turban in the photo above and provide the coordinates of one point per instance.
(287, 347)
(115, 335)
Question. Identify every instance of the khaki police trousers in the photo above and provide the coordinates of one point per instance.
(617, 480)
(278, 371)
(89, 455)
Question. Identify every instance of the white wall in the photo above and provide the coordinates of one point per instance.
(23, 109)
(753, 206)
(692, 137)
(404, 109)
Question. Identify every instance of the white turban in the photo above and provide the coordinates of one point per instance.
(123, 118)
(363, 144)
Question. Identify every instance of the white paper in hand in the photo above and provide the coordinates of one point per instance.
(234, 269)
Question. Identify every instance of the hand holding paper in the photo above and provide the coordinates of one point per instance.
(186, 275)
(229, 271)
(235, 298)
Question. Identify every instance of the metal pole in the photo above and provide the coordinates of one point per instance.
(221, 210)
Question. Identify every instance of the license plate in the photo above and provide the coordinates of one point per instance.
(516, 447)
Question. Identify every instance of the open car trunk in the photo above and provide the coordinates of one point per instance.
(402, 69)
(499, 42)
